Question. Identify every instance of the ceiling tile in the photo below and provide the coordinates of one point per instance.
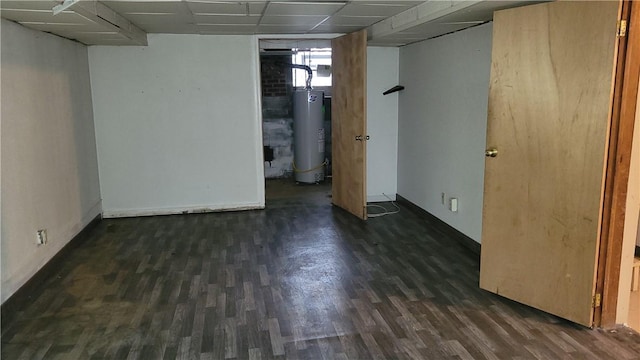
(303, 8)
(283, 29)
(170, 28)
(99, 38)
(225, 29)
(28, 5)
(330, 29)
(428, 30)
(247, 17)
(482, 11)
(383, 43)
(226, 7)
(273, 44)
(419, 33)
(218, 7)
(63, 27)
(141, 19)
(131, 6)
(391, 2)
(361, 21)
(45, 16)
(373, 8)
(226, 19)
(154, 18)
(257, 8)
(308, 20)
(152, 14)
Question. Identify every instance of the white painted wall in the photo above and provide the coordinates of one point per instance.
(178, 124)
(48, 149)
(442, 125)
(382, 123)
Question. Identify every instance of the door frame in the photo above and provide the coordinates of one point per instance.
(266, 37)
(618, 163)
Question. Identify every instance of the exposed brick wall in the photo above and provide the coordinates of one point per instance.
(276, 79)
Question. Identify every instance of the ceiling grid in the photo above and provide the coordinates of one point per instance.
(390, 23)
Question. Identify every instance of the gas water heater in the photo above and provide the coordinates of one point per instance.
(308, 136)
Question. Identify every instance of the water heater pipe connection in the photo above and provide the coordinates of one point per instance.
(309, 73)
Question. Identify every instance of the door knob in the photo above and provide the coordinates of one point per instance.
(491, 153)
(358, 137)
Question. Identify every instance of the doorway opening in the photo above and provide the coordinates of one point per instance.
(296, 119)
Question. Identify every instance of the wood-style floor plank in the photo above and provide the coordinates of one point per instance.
(298, 280)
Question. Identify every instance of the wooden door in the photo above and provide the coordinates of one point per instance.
(349, 122)
(549, 111)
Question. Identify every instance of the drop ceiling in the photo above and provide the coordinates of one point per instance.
(126, 22)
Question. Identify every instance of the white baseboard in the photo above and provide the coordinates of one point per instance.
(110, 214)
(381, 198)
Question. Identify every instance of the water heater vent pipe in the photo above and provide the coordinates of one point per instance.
(309, 73)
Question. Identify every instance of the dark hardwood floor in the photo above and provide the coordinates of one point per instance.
(298, 280)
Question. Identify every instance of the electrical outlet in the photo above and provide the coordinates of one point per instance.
(443, 198)
(453, 204)
(41, 237)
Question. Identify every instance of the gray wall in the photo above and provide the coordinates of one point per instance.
(178, 124)
(442, 125)
(48, 149)
(382, 123)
